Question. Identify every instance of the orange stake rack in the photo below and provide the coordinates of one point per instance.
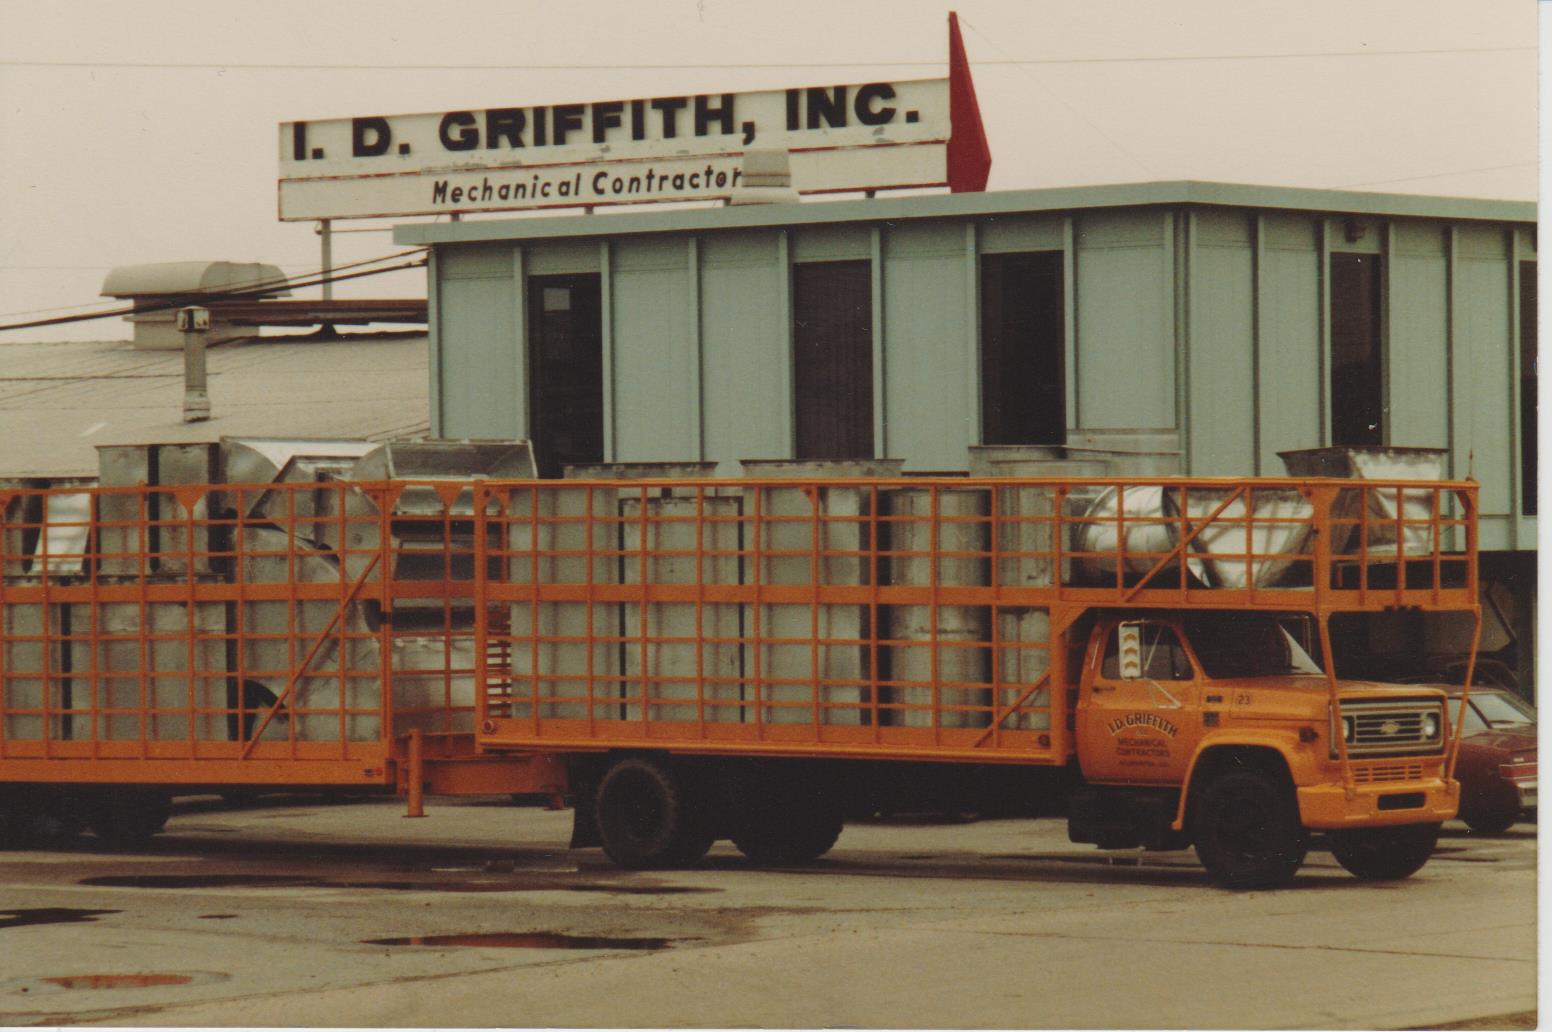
(298, 633)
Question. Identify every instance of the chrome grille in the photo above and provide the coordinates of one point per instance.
(1393, 727)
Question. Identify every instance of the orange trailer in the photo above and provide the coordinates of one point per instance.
(689, 660)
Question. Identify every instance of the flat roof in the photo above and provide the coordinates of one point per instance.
(58, 401)
(1007, 202)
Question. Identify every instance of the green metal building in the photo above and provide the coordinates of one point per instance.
(1223, 322)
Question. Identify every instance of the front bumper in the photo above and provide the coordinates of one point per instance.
(1427, 801)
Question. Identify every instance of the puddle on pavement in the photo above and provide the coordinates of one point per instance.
(637, 890)
(1124, 860)
(528, 941)
(243, 881)
(116, 981)
(196, 881)
(49, 916)
(98, 981)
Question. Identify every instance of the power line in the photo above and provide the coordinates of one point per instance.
(243, 285)
(257, 289)
(1439, 175)
(1062, 101)
(726, 66)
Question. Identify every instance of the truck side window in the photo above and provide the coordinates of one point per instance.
(1159, 655)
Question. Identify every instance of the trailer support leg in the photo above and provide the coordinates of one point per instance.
(417, 776)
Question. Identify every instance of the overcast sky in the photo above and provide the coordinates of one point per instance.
(146, 131)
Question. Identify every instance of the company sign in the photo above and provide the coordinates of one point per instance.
(859, 136)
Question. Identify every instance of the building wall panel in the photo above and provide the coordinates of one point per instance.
(481, 380)
(655, 405)
(744, 347)
(1289, 352)
(1020, 233)
(1417, 361)
(1483, 364)
(1125, 347)
(1221, 362)
(927, 369)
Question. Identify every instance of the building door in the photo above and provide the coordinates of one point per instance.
(565, 371)
(832, 305)
(1023, 389)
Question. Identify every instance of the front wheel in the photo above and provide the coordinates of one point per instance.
(1384, 854)
(1246, 827)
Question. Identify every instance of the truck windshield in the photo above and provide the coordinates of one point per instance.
(1231, 645)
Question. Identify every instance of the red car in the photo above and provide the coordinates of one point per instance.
(1497, 768)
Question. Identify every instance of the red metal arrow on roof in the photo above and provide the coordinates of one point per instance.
(969, 155)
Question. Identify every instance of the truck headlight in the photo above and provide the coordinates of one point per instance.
(1431, 726)
(1349, 729)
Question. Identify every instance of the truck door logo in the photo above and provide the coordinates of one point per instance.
(1141, 721)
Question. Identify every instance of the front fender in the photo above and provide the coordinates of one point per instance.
(1284, 744)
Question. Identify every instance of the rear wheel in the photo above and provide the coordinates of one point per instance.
(129, 819)
(1491, 824)
(791, 824)
(647, 817)
(1245, 824)
(1384, 854)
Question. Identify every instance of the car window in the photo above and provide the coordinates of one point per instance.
(1474, 721)
(1139, 649)
(1501, 710)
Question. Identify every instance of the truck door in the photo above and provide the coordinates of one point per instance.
(1139, 712)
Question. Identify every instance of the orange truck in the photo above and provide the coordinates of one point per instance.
(744, 658)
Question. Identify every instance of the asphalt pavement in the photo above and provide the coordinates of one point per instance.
(296, 912)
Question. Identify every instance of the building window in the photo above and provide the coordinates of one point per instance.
(565, 371)
(1357, 374)
(832, 306)
(1528, 388)
(1023, 390)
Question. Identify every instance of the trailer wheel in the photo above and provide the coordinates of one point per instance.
(647, 817)
(1246, 828)
(786, 828)
(129, 820)
(1384, 854)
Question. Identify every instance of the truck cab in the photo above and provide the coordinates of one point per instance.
(1186, 723)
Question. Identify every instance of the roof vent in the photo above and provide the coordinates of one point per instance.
(767, 179)
(157, 290)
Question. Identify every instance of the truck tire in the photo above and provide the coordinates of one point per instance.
(1384, 854)
(1246, 827)
(1491, 823)
(646, 816)
(788, 831)
(128, 820)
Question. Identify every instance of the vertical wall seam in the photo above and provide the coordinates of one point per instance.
(434, 333)
(973, 333)
(606, 298)
(1387, 267)
(1178, 225)
(784, 303)
(1070, 319)
(1257, 284)
(522, 390)
(1516, 486)
(697, 350)
(1451, 337)
(880, 379)
(1323, 358)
